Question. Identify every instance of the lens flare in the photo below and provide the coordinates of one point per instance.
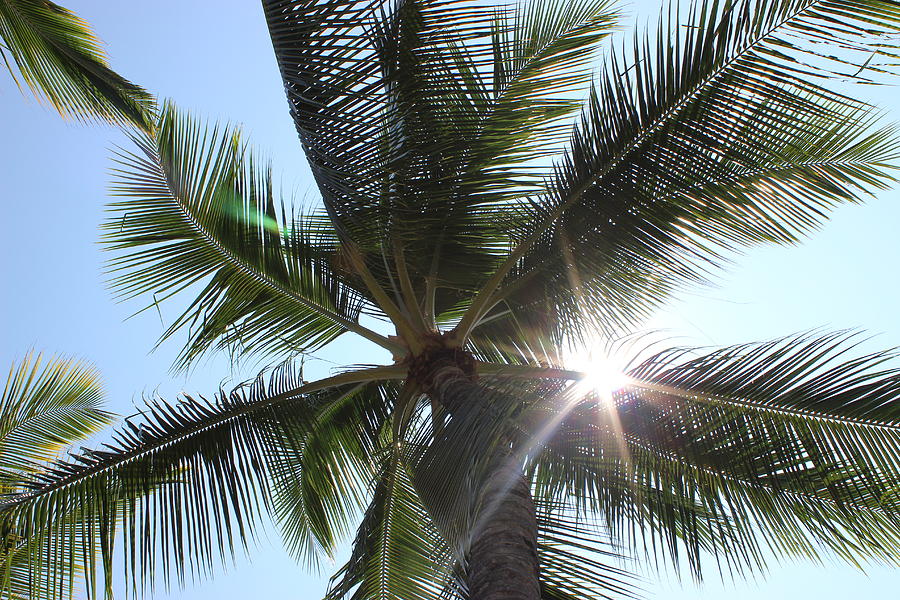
(603, 373)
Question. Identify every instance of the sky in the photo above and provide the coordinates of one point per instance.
(214, 58)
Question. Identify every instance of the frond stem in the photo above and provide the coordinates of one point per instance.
(241, 265)
(406, 288)
(527, 371)
(405, 405)
(359, 376)
(390, 308)
(762, 407)
(537, 372)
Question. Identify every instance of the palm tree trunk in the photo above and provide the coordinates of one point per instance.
(503, 559)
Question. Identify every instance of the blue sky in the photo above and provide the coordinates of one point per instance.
(214, 58)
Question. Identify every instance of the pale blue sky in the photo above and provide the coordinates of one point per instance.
(214, 57)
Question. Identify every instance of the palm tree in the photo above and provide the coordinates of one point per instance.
(46, 407)
(57, 55)
(462, 207)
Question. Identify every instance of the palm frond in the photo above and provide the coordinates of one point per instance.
(422, 116)
(39, 567)
(186, 483)
(469, 117)
(578, 557)
(398, 552)
(517, 337)
(379, 92)
(320, 472)
(839, 413)
(789, 445)
(712, 135)
(542, 56)
(334, 80)
(45, 407)
(532, 84)
(198, 208)
(61, 60)
(606, 478)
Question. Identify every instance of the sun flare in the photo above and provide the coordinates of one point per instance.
(604, 371)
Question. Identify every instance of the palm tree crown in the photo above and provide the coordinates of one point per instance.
(495, 198)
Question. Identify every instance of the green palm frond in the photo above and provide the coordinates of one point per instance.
(186, 483)
(609, 480)
(321, 471)
(59, 58)
(711, 135)
(512, 342)
(198, 208)
(542, 56)
(423, 117)
(398, 552)
(540, 66)
(578, 557)
(40, 568)
(384, 97)
(47, 405)
(789, 445)
(335, 80)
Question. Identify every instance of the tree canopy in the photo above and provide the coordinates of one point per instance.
(494, 193)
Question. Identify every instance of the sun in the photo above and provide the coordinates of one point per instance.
(604, 371)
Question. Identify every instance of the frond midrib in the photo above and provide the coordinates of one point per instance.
(534, 57)
(364, 375)
(244, 267)
(777, 168)
(538, 372)
(383, 569)
(672, 111)
(800, 413)
(236, 261)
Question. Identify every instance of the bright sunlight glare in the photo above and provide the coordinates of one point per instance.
(604, 371)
